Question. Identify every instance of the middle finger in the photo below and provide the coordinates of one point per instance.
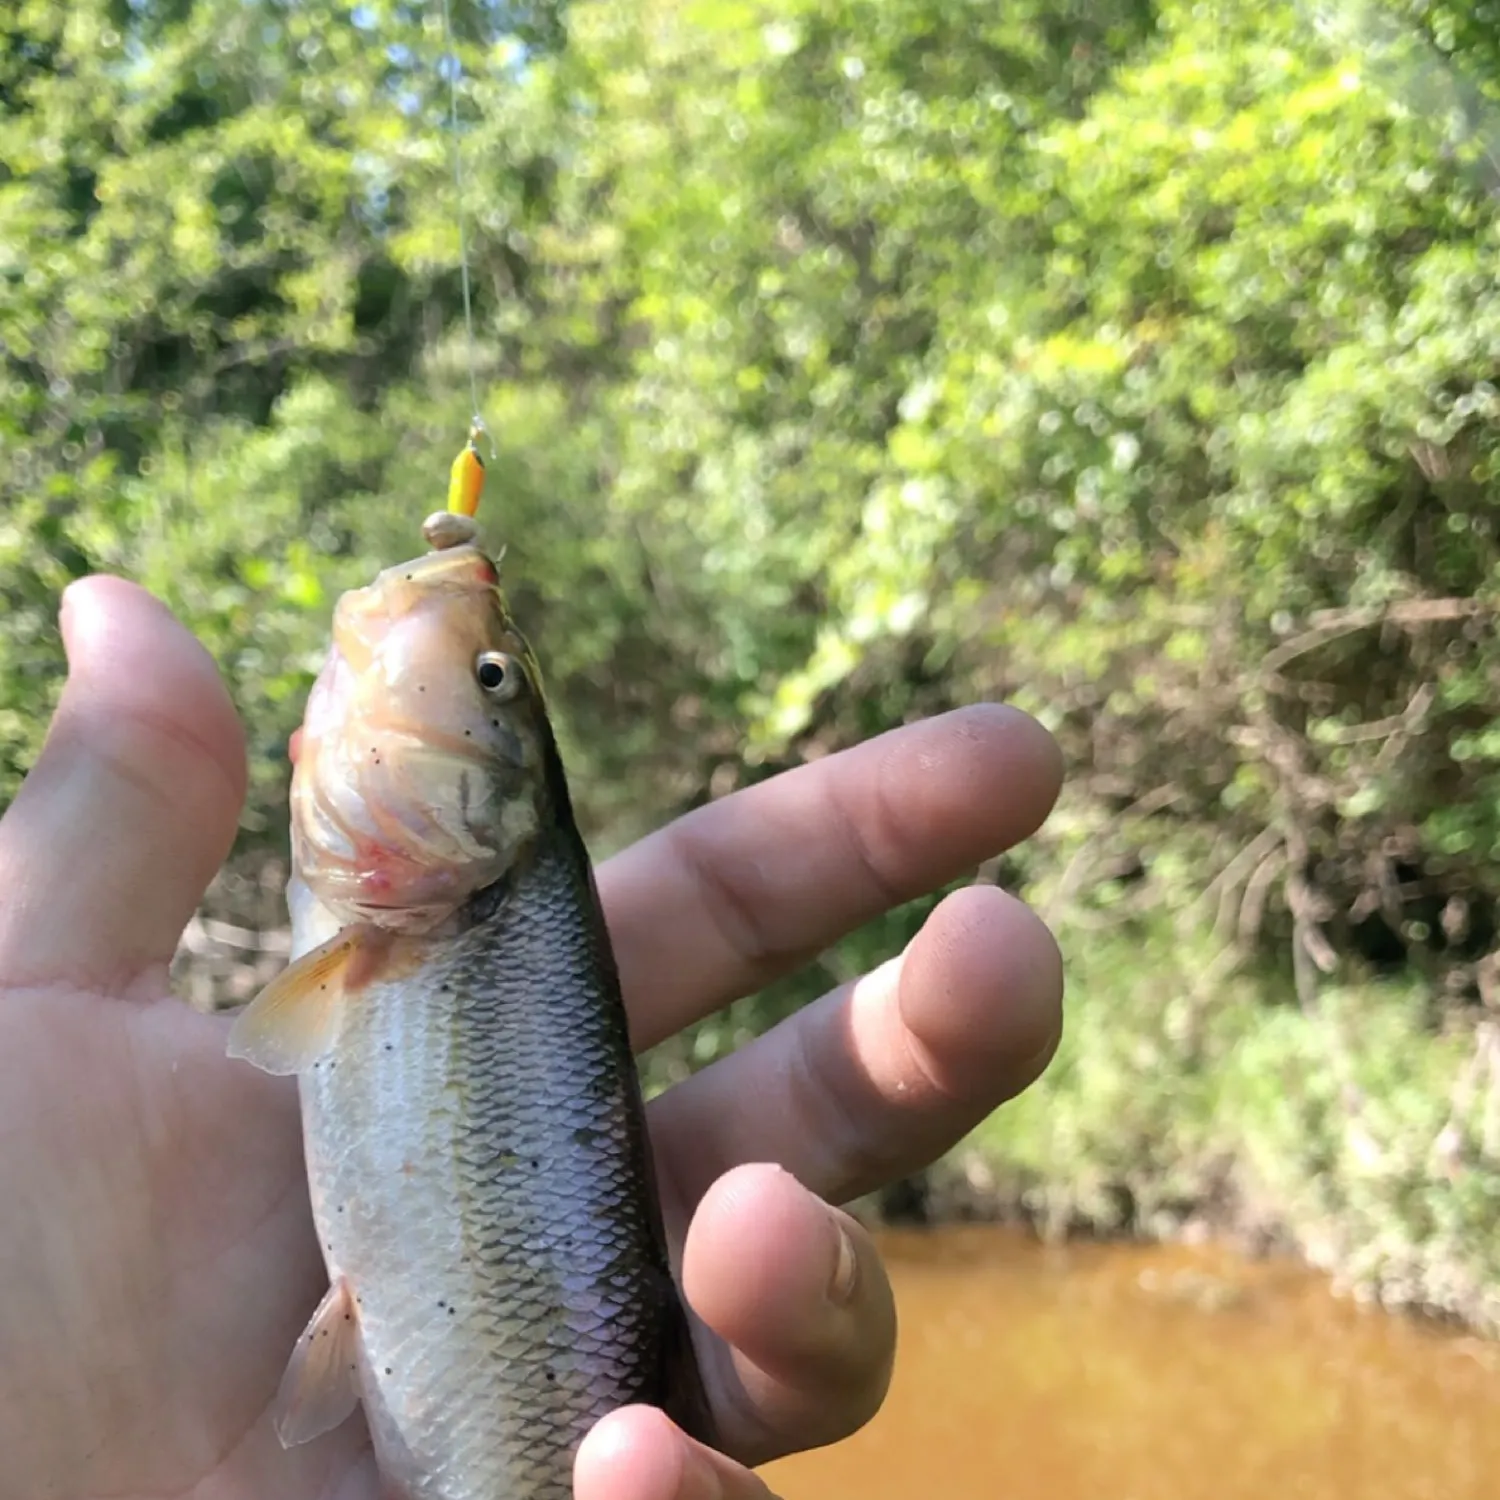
(724, 900)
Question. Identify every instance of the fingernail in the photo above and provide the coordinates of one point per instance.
(65, 610)
(845, 1270)
(1041, 1059)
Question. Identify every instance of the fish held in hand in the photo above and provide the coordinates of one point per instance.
(474, 1132)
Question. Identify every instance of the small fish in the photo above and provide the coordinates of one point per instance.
(473, 1124)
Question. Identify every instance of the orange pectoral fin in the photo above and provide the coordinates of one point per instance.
(293, 1021)
(321, 1385)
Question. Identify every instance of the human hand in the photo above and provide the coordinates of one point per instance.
(157, 1257)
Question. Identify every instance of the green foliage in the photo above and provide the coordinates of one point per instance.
(1181, 1091)
(1214, 488)
(846, 359)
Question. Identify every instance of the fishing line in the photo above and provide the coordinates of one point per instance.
(456, 156)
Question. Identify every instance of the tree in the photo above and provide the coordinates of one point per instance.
(845, 358)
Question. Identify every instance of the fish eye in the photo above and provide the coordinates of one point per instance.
(498, 674)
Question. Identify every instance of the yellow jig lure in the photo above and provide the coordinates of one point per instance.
(466, 477)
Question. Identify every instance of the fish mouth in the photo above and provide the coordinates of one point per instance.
(364, 615)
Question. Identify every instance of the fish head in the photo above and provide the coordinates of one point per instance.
(422, 771)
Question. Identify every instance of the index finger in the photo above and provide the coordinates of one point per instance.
(742, 891)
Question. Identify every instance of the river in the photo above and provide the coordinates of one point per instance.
(1141, 1373)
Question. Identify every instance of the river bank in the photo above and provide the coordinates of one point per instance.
(1191, 1103)
(1153, 1373)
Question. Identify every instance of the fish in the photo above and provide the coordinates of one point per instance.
(474, 1131)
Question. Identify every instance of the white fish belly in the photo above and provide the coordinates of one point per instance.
(465, 1151)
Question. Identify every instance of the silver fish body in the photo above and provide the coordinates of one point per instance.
(478, 1161)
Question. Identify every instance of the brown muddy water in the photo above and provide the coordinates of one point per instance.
(1135, 1373)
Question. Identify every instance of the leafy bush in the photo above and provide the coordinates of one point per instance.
(846, 359)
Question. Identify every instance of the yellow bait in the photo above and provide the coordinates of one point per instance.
(466, 478)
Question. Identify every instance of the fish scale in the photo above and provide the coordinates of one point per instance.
(481, 1121)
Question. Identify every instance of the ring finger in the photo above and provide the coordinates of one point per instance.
(880, 1077)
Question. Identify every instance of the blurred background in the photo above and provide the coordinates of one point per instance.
(848, 360)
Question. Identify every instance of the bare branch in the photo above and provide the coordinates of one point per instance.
(1331, 625)
(1257, 891)
(1081, 865)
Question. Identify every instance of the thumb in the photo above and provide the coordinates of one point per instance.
(132, 804)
